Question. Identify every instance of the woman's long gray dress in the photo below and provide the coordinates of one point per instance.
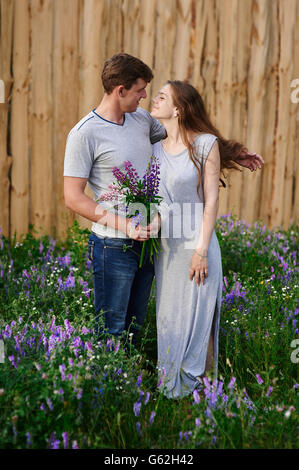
(185, 312)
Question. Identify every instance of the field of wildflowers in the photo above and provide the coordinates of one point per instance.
(60, 387)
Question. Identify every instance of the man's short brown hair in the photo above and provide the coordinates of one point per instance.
(124, 69)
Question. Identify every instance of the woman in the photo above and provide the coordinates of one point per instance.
(188, 270)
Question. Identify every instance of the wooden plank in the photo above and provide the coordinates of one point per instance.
(6, 32)
(131, 15)
(270, 110)
(199, 46)
(65, 93)
(113, 20)
(19, 202)
(92, 53)
(287, 16)
(146, 39)
(292, 152)
(226, 76)
(164, 50)
(207, 26)
(295, 189)
(183, 60)
(256, 104)
(41, 117)
(239, 90)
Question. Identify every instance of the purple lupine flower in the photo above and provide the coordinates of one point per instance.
(153, 414)
(196, 396)
(161, 377)
(55, 444)
(75, 445)
(79, 394)
(197, 422)
(270, 389)
(139, 380)
(207, 383)
(141, 395)
(138, 427)
(50, 404)
(136, 408)
(62, 371)
(65, 439)
(147, 396)
(259, 379)
(28, 439)
(231, 385)
(43, 408)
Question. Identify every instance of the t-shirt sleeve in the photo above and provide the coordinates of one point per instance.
(157, 131)
(78, 158)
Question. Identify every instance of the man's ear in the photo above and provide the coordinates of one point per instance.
(121, 91)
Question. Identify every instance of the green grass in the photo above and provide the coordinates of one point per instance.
(59, 387)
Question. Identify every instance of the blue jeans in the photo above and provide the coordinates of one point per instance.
(121, 288)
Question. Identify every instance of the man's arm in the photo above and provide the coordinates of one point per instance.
(249, 160)
(80, 203)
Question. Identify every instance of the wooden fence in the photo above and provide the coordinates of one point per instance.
(242, 55)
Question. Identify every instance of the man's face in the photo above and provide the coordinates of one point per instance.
(130, 98)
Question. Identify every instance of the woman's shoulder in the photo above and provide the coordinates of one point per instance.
(204, 137)
(204, 143)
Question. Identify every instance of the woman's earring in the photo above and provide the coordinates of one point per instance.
(175, 114)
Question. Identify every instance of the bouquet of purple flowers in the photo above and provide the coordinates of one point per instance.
(137, 198)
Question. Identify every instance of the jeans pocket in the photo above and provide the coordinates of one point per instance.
(90, 249)
(119, 243)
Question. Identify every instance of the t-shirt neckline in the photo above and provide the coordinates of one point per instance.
(110, 122)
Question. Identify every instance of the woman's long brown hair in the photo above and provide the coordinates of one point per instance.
(193, 117)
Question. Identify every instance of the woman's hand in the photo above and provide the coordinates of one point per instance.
(198, 268)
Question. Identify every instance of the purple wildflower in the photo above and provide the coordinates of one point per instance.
(136, 408)
(138, 427)
(139, 380)
(259, 379)
(270, 389)
(197, 422)
(28, 439)
(153, 414)
(147, 396)
(231, 385)
(65, 439)
(196, 396)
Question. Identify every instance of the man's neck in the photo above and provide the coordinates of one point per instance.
(109, 109)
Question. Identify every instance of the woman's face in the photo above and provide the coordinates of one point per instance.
(162, 104)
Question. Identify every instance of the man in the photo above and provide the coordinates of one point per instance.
(116, 131)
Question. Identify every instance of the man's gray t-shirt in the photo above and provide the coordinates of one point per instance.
(94, 146)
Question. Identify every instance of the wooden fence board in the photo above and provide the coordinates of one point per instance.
(226, 76)
(256, 103)
(41, 117)
(270, 120)
(19, 121)
(6, 33)
(65, 88)
(239, 88)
